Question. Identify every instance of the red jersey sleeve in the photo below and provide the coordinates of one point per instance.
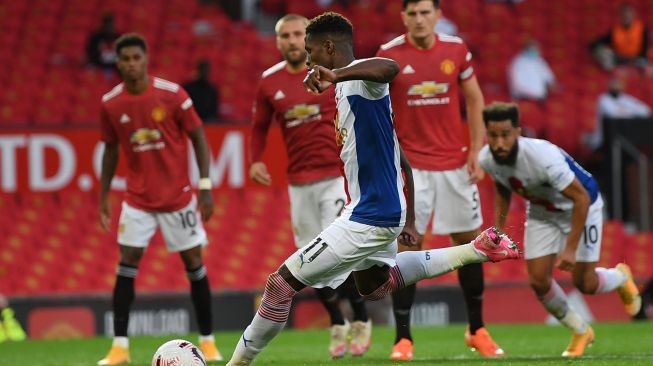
(466, 66)
(186, 115)
(107, 133)
(261, 120)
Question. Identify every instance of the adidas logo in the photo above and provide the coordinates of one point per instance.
(279, 95)
(124, 118)
(408, 70)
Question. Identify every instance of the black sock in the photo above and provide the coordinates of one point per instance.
(471, 281)
(200, 293)
(123, 297)
(331, 301)
(357, 302)
(402, 301)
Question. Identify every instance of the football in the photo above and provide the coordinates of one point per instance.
(178, 352)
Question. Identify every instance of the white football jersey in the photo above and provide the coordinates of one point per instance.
(541, 172)
(370, 153)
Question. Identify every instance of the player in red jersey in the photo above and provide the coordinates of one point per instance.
(435, 69)
(316, 187)
(150, 119)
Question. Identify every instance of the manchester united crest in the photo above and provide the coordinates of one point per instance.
(448, 67)
(158, 114)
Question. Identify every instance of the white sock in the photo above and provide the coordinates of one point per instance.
(418, 265)
(204, 338)
(555, 302)
(121, 341)
(255, 338)
(609, 279)
(574, 322)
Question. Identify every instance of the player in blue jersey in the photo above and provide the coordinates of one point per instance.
(363, 240)
(564, 223)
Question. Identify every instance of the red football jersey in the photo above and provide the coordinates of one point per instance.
(425, 100)
(306, 124)
(152, 131)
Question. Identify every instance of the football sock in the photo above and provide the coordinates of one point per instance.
(470, 278)
(402, 301)
(204, 338)
(609, 279)
(123, 297)
(200, 293)
(357, 302)
(418, 265)
(555, 302)
(331, 301)
(413, 266)
(270, 318)
(121, 342)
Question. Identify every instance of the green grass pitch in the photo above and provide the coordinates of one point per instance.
(616, 344)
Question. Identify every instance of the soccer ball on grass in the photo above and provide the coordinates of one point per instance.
(178, 353)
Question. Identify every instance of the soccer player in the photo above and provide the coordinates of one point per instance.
(435, 70)
(150, 119)
(564, 219)
(363, 238)
(316, 188)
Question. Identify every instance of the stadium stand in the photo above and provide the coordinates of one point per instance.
(46, 84)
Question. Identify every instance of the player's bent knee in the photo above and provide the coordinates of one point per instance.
(130, 256)
(584, 286)
(540, 286)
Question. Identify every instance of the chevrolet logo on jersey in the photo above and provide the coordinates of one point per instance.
(145, 135)
(428, 89)
(302, 113)
(146, 139)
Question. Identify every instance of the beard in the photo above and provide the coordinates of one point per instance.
(510, 159)
(294, 60)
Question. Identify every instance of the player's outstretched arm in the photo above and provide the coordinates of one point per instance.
(109, 165)
(409, 235)
(502, 198)
(198, 139)
(376, 69)
(577, 193)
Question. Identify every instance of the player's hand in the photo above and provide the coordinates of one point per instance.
(409, 235)
(319, 79)
(258, 172)
(206, 204)
(474, 169)
(105, 216)
(566, 260)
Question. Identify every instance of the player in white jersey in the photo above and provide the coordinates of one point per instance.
(363, 240)
(564, 219)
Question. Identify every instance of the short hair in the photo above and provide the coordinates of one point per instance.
(288, 18)
(330, 23)
(436, 3)
(128, 40)
(501, 111)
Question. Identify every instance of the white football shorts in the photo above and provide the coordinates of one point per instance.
(343, 247)
(181, 229)
(548, 235)
(314, 206)
(448, 195)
